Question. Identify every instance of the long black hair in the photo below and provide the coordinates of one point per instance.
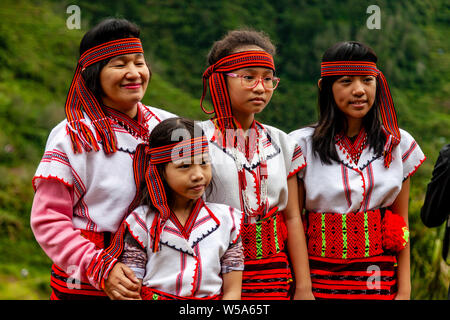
(331, 120)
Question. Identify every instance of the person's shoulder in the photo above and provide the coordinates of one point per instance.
(160, 113)
(405, 135)
(59, 137)
(407, 141)
(220, 209)
(445, 152)
(59, 130)
(302, 133)
(207, 126)
(140, 213)
(276, 133)
(272, 128)
(226, 214)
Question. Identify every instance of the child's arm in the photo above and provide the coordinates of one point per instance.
(232, 265)
(400, 206)
(232, 285)
(296, 242)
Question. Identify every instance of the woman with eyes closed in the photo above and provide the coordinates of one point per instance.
(254, 167)
(355, 189)
(84, 182)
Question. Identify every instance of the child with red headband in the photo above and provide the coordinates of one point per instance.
(355, 189)
(84, 182)
(178, 245)
(254, 166)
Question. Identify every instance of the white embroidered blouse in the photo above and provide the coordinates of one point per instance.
(346, 186)
(283, 156)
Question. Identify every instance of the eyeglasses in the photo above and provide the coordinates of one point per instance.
(248, 81)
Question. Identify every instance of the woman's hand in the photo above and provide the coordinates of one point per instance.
(122, 284)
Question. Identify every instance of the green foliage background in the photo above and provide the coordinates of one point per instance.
(38, 55)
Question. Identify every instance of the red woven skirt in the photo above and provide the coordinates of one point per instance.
(65, 287)
(373, 278)
(266, 275)
(346, 257)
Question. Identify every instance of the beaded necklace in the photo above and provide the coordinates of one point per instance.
(352, 149)
(135, 127)
(260, 174)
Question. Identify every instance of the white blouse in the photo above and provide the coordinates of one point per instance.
(345, 186)
(188, 263)
(284, 159)
(103, 184)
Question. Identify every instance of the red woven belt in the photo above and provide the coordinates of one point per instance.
(345, 236)
(264, 238)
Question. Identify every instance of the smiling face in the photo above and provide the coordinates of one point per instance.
(124, 80)
(354, 95)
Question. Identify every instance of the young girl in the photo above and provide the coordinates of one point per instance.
(254, 166)
(355, 188)
(179, 246)
(84, 182)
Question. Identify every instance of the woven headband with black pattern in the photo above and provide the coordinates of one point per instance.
(144, 166)
(387, 110)
(80, 98)
(214, 78)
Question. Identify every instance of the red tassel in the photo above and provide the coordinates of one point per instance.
(81, 136)
(387, 159)
(395, 232)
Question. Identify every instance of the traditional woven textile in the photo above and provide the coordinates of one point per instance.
(387, 110)
(264, 238)
(354, 148)
(344, 236)
(80, 98)
(372, 278)
(267, 278)
(347, 256)
(267, 274)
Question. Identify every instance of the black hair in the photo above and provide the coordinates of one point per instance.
(331, 120)
(238, 38)
(107, 30)
(165, 133)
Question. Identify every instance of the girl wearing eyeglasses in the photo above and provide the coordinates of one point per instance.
(254, 166)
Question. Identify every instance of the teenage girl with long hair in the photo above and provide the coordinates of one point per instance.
(355, 189)
(254, 166)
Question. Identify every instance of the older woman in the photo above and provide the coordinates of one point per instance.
(84, 182)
